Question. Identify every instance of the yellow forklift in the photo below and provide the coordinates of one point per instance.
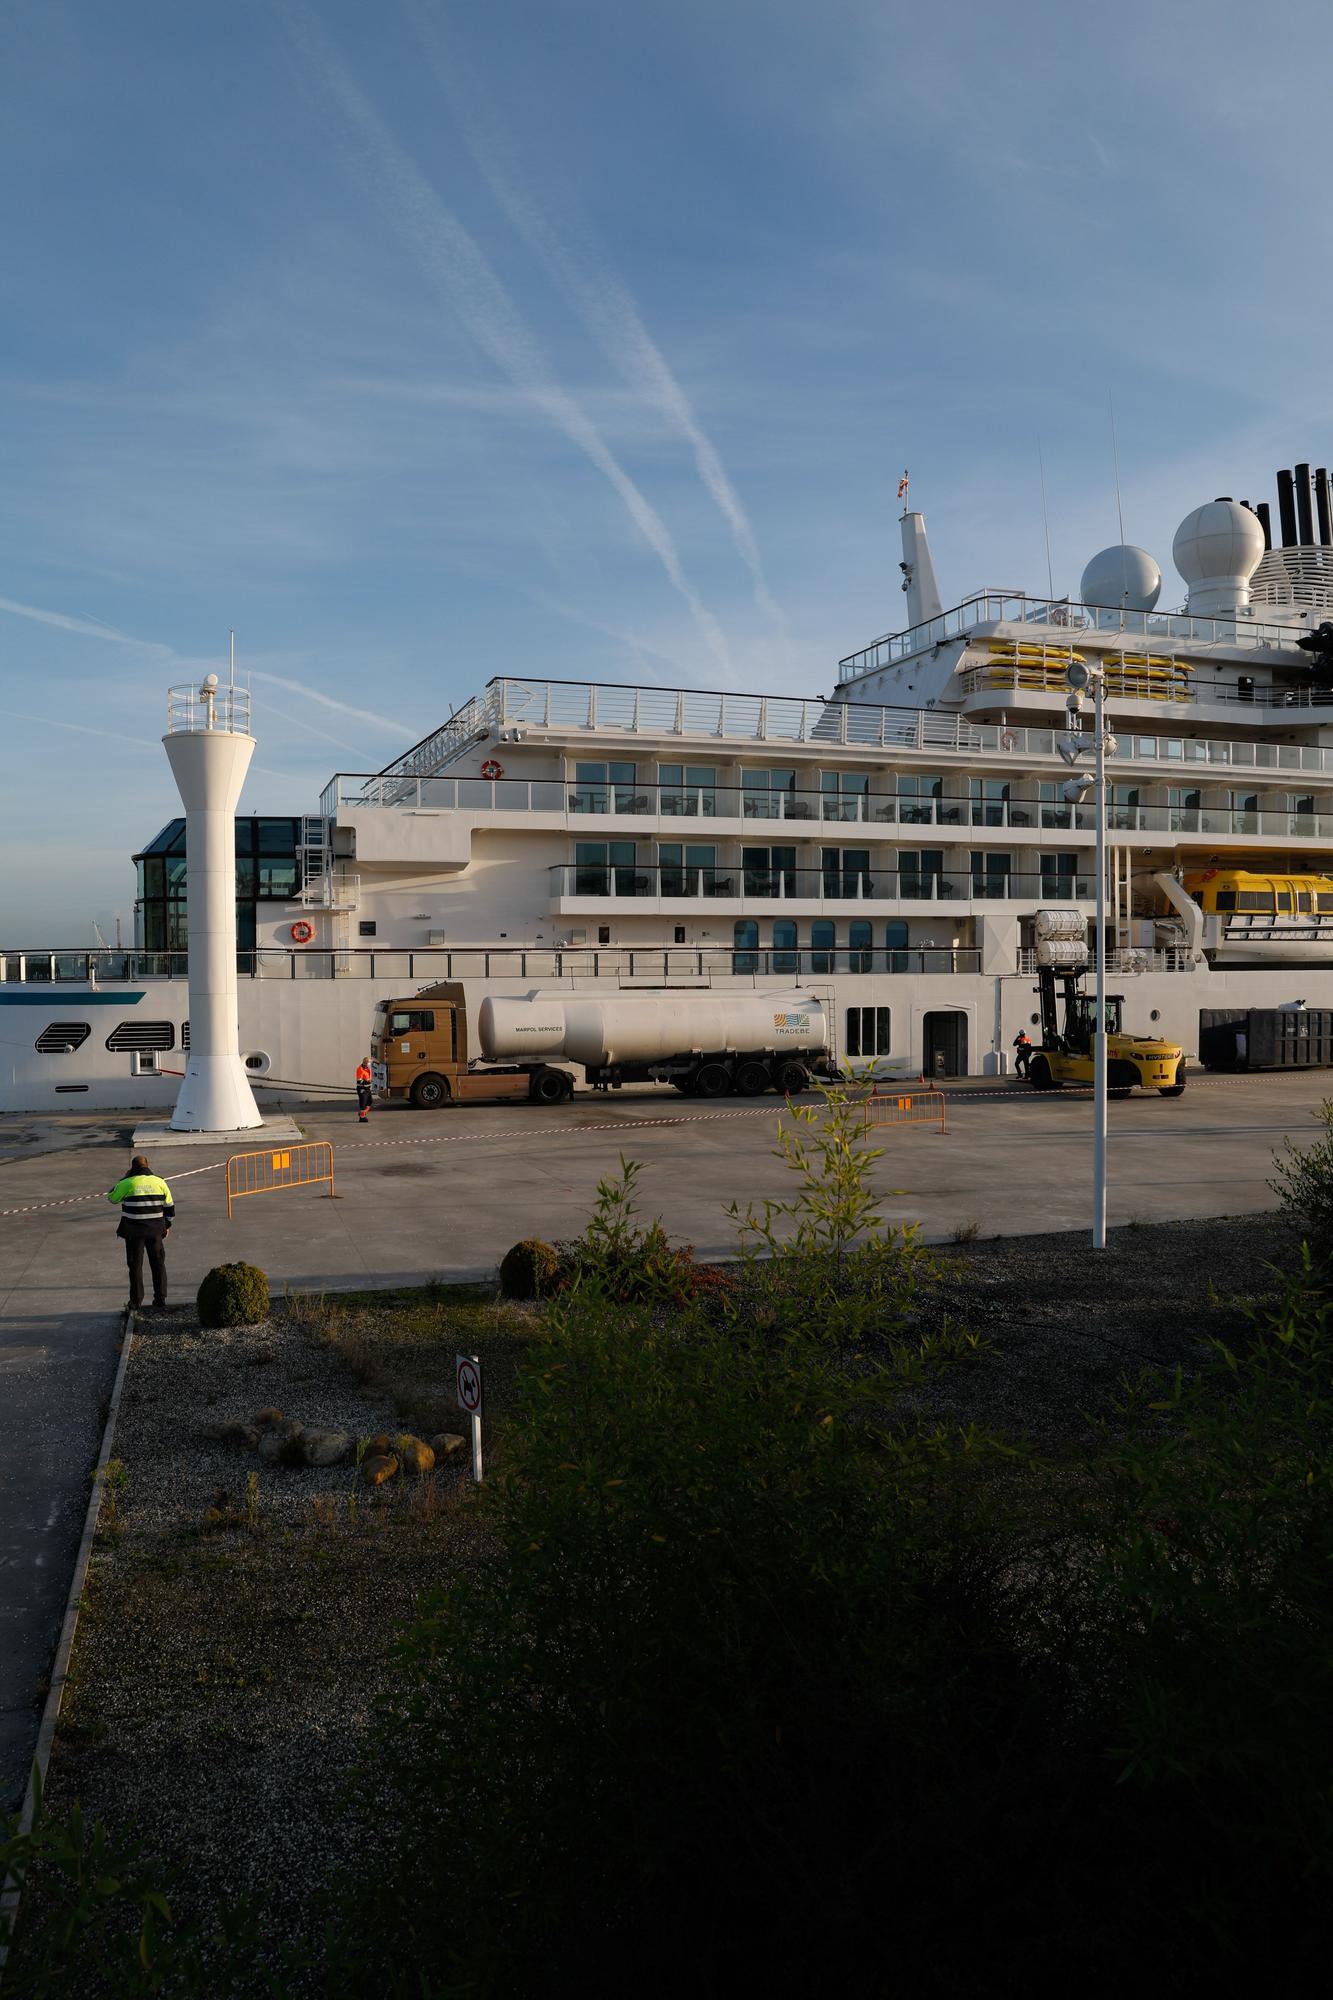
(1066, 1054)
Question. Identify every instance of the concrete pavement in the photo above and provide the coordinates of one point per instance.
(422, 1195)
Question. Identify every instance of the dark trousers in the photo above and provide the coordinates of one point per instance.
(363, 1101)
(156, 1246)
(1022, 1057)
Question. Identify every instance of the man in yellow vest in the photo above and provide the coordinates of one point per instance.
(146, 1214)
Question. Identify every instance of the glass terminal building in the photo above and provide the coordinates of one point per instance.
(268, 869)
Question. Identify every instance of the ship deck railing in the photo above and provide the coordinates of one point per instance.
(1125, 960)
(647, 964)
(1012, 607)
(816, 813)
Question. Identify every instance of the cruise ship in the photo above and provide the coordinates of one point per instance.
(884, 846)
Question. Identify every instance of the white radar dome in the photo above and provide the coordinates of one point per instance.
(1217, 549)
(1123, 578)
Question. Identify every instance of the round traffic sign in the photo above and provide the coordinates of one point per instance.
(467, 1380)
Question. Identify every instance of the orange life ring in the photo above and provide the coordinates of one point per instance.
(490, 769)
(302, 933)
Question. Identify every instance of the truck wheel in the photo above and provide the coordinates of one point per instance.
(713, 1080)
(550, 1086)
(751, 1079)
(1039, 1074)
(1172, 1090)
(792, 1079)
(430, 1092)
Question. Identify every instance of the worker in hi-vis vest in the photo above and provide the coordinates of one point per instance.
(146, 1214)
(363, 1083)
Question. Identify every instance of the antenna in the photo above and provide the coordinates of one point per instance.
(1046, 524)
(1119, 510)
(231, 652)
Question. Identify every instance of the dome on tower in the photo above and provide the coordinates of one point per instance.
(1123, 578)
(1216, 549)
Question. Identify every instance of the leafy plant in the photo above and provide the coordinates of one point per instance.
(631, 1261)
(1303, 1183)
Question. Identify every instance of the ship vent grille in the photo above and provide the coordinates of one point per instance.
(141, 1036)
(62, 1035)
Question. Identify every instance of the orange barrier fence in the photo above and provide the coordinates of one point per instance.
(279, 1167)
(906, 1107)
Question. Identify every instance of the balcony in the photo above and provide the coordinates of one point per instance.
(742, 890)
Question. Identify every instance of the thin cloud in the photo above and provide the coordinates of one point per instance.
(591, 286)
(452, 261)
(89, 628)
(385, 723)
(298, 722)
(80, 728)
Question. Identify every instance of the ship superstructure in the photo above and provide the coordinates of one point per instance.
(887, 843)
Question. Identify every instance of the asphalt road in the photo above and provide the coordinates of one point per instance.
(421, 1195)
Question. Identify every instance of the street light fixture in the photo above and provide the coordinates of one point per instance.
(1081, 677)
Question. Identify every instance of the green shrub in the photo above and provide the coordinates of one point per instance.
(528, 1270)
(1303, 1183)
(633, 1263)
(233, 1295)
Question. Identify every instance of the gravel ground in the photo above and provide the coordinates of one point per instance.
(225, 1677)
(1065, 1326)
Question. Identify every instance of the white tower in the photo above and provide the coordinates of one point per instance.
(209, 747)
(923, 593)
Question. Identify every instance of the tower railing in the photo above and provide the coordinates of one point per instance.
(192, 709)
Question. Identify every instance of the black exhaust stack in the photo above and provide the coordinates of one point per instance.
(1304, 514)
(1321, 507)
(1262, 512)
(1286, 508)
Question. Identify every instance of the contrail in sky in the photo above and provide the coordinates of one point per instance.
(87, 626)
(366, 715)
(448, 255)
(595, 291)
(80, 728)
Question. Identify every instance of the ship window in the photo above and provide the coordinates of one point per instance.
(141, 1036)
(1284, 899)
(1226, 899)
(62, 1035)
(416, 1021)
(1325, 902)
(867, 1031)
(822, 937)
(746, 955)
(366, 928)
(68, 1089)
(1303, 899)
(1255, 899)
(786, 957)
(860, 937)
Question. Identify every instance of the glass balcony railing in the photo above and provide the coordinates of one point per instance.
(815, 885)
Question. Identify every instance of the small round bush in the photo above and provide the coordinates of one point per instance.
(528, 1269)
(233, 1295)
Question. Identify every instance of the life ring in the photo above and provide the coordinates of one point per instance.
(490, 769)
(1008, 741)
(302, 933)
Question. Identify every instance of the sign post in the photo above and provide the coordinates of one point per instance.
(467, 1384)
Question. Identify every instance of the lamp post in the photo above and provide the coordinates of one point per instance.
(1076, 745)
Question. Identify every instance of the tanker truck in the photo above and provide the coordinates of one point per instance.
(425, 1049)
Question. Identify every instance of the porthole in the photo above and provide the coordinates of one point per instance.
(258, 1063)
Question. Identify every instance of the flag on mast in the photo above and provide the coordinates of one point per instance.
(902, 485)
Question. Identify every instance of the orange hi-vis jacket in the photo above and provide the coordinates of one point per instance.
(363, 1073)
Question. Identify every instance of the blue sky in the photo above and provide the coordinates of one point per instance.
(424, 342)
